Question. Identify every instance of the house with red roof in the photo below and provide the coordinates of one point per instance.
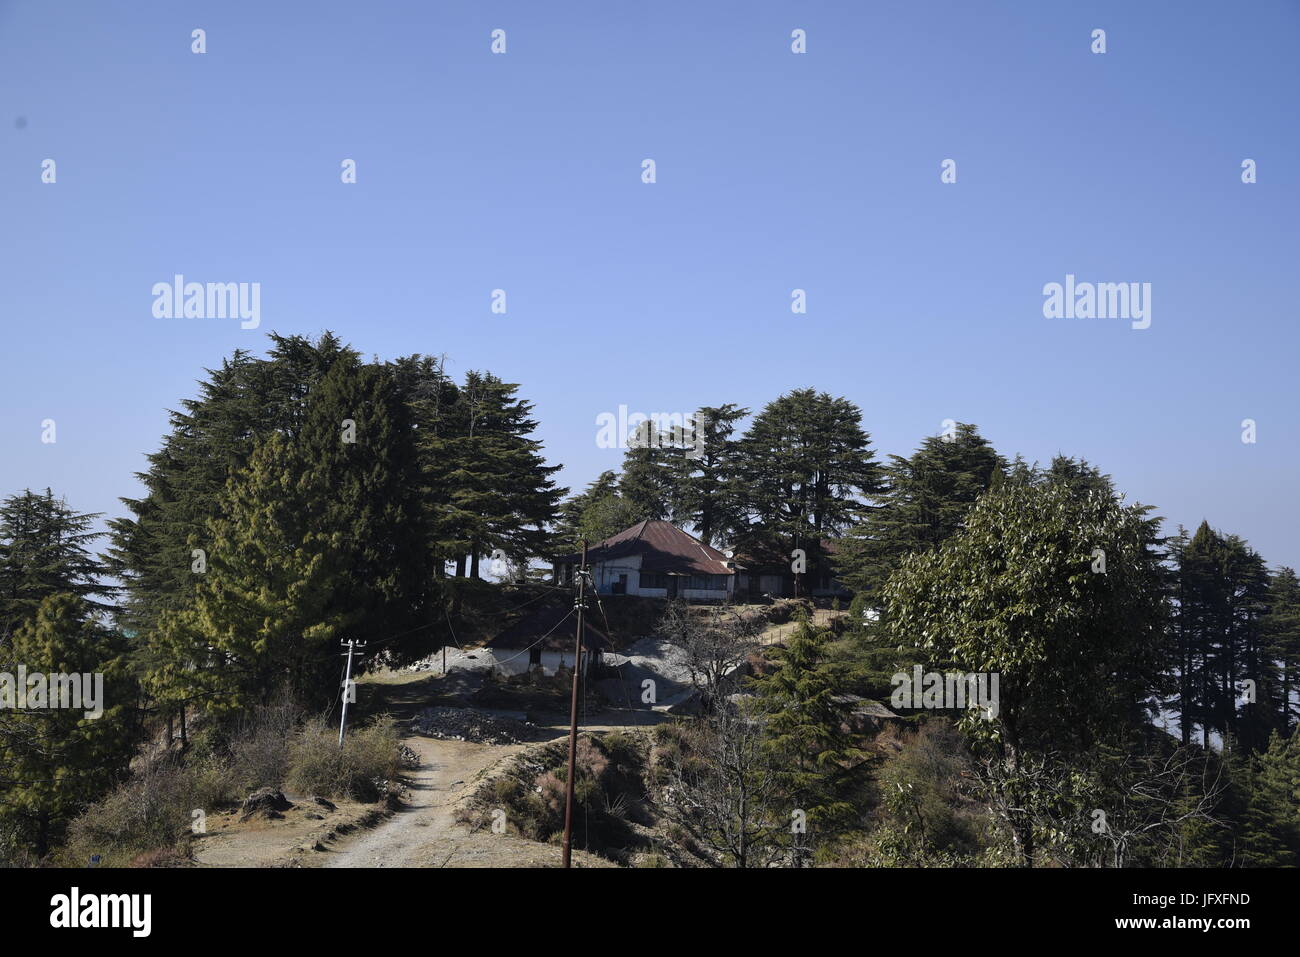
(654, 559)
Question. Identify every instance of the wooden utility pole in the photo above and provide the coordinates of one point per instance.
(347, 681)
(569, 781)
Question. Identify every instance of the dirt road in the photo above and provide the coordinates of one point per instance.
(426, 834)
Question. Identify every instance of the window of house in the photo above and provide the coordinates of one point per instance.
(709, 582)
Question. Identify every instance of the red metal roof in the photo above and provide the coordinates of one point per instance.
(663, 547)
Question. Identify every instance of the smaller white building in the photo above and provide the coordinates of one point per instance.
(545, 640)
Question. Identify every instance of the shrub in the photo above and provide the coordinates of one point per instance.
(259, 750)
(621, 747)
(149, 813)
(369, 757)
(924, 811)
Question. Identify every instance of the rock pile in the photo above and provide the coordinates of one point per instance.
(463, 724)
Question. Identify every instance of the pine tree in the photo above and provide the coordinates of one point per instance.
(687, 473)
(1281, 638)
(54, 760)
(803, 730)
(43, 552)
(1265, 791)
(319, 539)
(649, 481)
(1222, 590)
(211, 438)
(709, 492)
(433, 400)
(804, 463)
(502, 495)
(927, 496)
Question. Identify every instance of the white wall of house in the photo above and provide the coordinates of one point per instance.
(691, 594)
(514, 661)
(605, 575)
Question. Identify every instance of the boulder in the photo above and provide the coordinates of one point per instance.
(264, 802)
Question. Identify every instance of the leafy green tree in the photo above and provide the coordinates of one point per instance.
(1078, 651)
(595, 514)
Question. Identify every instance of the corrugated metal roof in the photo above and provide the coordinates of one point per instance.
(663, 547)
(545, 628)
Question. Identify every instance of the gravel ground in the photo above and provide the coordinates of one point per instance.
(463, 724)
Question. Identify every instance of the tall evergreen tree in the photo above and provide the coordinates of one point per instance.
(805, 462)
(44, 551)
(1281, 628)
(318, 539)
(502, 493)
(710, 496)
(926, 498)
(433, 400)
(211, 438)
(595, 514)
(54, 760)
(804, 725)
(1221, 586)
(649, 480)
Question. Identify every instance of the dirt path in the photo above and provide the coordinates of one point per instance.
(821, 618)
(426, 834)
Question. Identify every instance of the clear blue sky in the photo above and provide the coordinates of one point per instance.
(775, 171)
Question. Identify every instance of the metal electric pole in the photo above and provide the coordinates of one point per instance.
(569, 781)
(347, 685)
